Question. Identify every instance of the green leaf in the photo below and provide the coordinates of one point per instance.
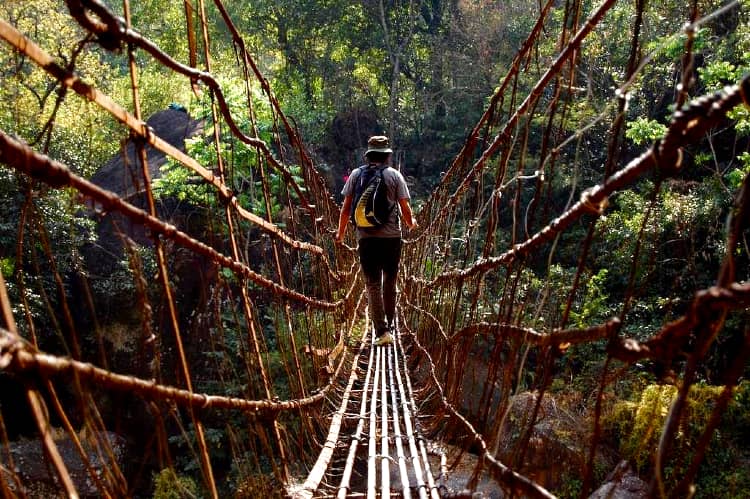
(644, 130)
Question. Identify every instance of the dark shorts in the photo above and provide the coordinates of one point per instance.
(379, 254)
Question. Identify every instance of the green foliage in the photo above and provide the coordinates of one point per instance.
(182, 184)
(650, 413)
(719, 73)
(738, 414)
(327, 59)
(681, 210)
(157, 88)
(723, 473)
(618, 422)
(169, 485)
(741, 116)
(6, 266)
(621, 225)
(595, 302)
(643, 130)
(162, 22)
(279, 191)
(240, 160)
(736, 176)
(81, 135)
(557, 277)
(637, 427)
(186, 445)
(572, 484)
(673, 46)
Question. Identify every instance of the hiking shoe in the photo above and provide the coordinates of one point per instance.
(383, 339)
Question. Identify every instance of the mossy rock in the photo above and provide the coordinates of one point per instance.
(169, 485)
(636, 427)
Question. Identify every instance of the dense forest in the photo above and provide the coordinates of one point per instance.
(423, 72)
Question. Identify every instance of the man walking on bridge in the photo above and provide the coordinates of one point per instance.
(379, 245)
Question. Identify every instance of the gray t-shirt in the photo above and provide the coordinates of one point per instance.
(397, 190)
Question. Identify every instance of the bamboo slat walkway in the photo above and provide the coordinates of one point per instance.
(373, 448)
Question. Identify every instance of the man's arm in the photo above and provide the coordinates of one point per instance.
(406, 213)
(346, 208)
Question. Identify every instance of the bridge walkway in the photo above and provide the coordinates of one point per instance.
(374, 448)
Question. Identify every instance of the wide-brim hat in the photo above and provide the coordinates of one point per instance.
(378, 143)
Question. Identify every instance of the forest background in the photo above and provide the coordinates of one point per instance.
(421, 72)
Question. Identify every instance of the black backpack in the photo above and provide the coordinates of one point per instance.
(370, 206)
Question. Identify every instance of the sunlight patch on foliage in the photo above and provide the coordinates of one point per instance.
(595, 302)
(673, 46)
(680, 210)
(644, 130)
(156, 88)
(718, 74)
(169, 485)
(736, 176)
(636, 428)
(366, 81)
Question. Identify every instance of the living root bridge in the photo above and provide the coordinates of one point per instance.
(20, 156)
(664, 158)
(496, 255)
(19, 357)
(141, 130)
